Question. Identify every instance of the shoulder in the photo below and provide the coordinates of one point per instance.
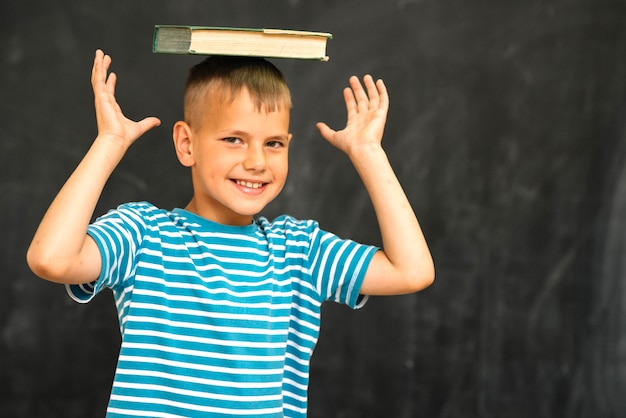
(288, 225)
(138, 215)
(145, 210)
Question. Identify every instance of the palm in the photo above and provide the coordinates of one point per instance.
(367, 114)
(111, 119)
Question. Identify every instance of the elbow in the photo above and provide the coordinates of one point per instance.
(429, 279)
(422, 277)
(423, 282)
(33, 261)
(45, 266)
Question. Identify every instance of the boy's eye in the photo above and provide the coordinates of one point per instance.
(232, 140)
(275, 144)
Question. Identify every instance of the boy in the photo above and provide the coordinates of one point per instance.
(219, 311)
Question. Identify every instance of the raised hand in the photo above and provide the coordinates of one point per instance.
(367, 113)
(109, 115)
(61, 250)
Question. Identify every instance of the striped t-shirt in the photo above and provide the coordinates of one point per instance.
(218, 320)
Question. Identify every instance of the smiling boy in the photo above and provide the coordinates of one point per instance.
(220, 310)
(235, 143)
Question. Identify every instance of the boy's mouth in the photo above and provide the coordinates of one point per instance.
(249, 184)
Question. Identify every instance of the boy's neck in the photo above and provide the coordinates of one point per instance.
(206, 213)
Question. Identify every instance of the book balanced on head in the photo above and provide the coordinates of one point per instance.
(269, 43)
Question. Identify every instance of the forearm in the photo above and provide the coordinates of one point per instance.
(404, 244)
(56, 252)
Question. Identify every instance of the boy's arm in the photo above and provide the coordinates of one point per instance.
(405, 264)
(61, 250)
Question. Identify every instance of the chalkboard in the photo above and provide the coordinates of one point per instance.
(507, 128)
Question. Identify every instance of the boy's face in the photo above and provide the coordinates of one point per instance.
(239, 158)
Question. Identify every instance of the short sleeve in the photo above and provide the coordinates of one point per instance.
(118, 235)
(338, 267)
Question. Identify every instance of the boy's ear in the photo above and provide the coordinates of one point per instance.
(182, 143)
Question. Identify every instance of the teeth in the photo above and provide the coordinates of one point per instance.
(249, 185)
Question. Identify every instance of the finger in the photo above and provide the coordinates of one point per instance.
(372, 91)
(359, 93)
(383, 94)
(96, 69)
(106, 62)
(326, 132)
(148, 123)
(99, 71)
(348, 97)
(110, 83)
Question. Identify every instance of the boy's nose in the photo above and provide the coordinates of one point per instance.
(255, 159)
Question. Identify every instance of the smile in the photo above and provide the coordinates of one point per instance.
(249, 184)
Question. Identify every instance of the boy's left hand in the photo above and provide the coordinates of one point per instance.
(367, 113)
(404, 265)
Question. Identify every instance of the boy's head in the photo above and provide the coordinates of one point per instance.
(226, 76)
(235, 137)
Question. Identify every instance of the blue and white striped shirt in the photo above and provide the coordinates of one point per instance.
(218, 320)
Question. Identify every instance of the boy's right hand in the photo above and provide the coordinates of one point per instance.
(111, 121)
(61, 250)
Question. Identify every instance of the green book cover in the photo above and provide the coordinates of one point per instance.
(177, 39)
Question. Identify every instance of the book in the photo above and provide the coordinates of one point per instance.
(269, 43)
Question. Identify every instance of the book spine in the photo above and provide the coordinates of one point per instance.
(171, 39)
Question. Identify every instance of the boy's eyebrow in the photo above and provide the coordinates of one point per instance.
(283, 137)
(238, 133)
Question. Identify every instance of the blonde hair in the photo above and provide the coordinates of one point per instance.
(226, 76)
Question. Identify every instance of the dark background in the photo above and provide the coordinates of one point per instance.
(507, 128)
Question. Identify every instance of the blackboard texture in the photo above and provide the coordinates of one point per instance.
(507, 128)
